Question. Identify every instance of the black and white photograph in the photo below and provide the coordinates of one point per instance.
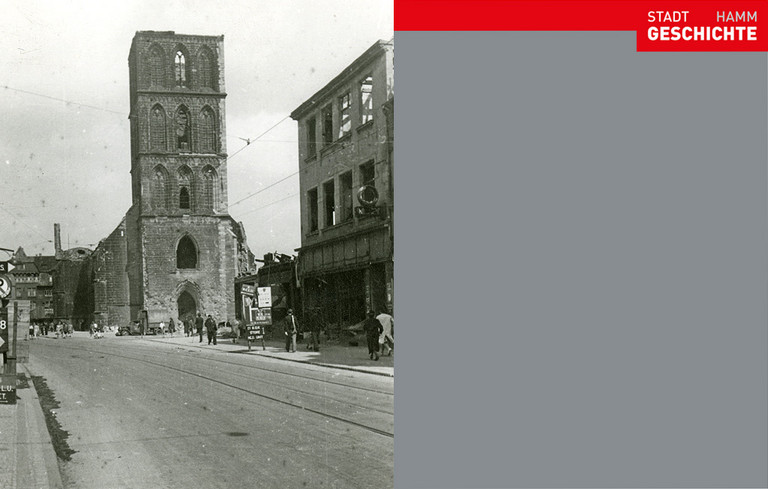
(197, 244)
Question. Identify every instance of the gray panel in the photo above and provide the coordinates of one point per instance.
(581, 263)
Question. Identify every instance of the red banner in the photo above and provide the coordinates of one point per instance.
(703, 25)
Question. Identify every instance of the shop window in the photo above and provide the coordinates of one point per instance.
(330, 203)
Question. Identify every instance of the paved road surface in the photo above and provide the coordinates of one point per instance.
(144, 414)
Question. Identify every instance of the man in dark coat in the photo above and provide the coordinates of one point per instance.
(373, 329)
(290, 328)
(210, 327)
(199, 326)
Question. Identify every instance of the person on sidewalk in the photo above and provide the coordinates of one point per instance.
(387, 337)
(171, 327)
(315, 327)
(210, 328)
(291, 328)
(373, 330)
(199, 326)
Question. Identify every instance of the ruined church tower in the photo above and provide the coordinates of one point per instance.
(182, 245)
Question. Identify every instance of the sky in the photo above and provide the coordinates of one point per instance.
(64, 132)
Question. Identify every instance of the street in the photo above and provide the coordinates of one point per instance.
(148, 414)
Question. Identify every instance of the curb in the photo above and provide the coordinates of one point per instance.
(269, 355)
(38, 433)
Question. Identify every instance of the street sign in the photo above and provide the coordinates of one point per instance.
(265, 296)
(6, 266)
(3, 330)
(5, 286)
(8, 389)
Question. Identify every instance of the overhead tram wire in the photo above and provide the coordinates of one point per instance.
(229, 157)
(68, 102)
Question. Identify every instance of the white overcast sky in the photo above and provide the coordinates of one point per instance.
(64, 134)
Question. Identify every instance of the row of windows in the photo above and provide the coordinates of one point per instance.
(181, 67)
(179, 138)
(22, 293)
(162, 193)
(343, 111)
(333, 214)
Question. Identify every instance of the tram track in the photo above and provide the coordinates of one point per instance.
(146, 351)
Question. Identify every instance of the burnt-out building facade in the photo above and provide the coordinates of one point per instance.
(177, 251)
(345, 263)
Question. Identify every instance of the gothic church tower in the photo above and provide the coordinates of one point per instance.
(182, 245)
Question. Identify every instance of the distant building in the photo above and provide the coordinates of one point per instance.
(177, 251)
(57, 286)
(345, 262)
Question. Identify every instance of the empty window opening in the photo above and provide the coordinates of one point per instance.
(327, 114)
(184, 198)
(182, 130)
(311, 137)
(330, 203)
(366, 100)
(180, 69)
(312, 208)
(186, 253)
(345, 123)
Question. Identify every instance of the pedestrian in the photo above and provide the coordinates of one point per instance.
(373, 329)
(210, 328)
(290, 327)
(91, 329)
(187, 326)
(199, 326)
(387, 337)
(36, 331)
(315, 327)
(171, 327)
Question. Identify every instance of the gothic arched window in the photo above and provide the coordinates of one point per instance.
(210, 194)
(157, 131)
(184, 198)
(181, 122)
(156, 67)
(180, 69)
(186, 253)
(205, 71)
(207, 131)
(159, 189)
(184, 178)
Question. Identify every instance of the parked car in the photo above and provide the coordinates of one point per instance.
(132, 329)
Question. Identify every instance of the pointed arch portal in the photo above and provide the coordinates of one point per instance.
(187, 306)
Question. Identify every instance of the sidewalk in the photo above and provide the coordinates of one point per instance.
(332, 354)
(27, 459)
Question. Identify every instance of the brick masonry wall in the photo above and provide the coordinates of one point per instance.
(211, 283)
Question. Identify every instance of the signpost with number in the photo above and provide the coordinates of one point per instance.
(5, 292)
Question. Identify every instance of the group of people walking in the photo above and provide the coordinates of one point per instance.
(379, 332)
